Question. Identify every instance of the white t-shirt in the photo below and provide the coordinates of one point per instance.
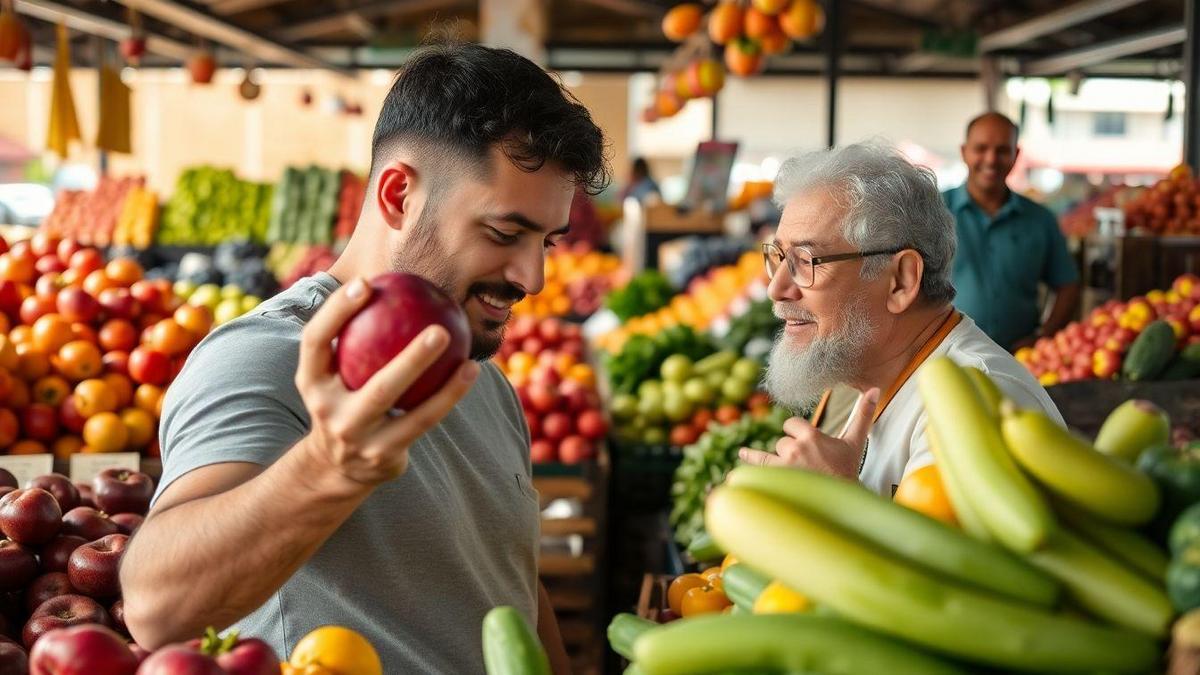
(897, 443)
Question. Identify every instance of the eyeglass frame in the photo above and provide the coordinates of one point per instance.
(815, 260)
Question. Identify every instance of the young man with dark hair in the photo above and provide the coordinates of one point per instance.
(288, 502)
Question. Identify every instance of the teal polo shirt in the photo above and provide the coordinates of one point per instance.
(1002, 259)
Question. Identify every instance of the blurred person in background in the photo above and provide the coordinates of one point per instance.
(1007, 244)
(641, 184)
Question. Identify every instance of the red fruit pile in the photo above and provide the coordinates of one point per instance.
(1171, 207)
(542, 360)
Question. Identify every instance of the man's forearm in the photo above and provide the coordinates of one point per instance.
(550, 635)
(1066, 298)
(212, 561)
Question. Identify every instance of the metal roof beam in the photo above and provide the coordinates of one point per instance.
(351, 19)
(1106, 51)
(226, 7)
(86, 22)
(219, 30)
(1051, 22)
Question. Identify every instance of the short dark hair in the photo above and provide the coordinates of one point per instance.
(462, 99)
(992, 114)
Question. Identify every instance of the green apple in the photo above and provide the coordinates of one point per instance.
(716, 379)
(672, 388)
(650, 389)
(736, 390)
(698, 391)
(226, 311)
(676, 368)
(654, 436)
(746, 369)
(232, 292)
(624, 406)
(249, 302)
(184, 288)
(208, 295)
(676, 407)
(651, 408)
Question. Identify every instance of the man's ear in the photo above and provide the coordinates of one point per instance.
(907, 271)
(394, 193)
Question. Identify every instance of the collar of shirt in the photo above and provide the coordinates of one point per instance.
(961, 199)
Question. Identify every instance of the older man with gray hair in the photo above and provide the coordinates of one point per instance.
(860, 274)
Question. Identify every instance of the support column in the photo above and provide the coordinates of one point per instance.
(1191, 79)
(833, 53)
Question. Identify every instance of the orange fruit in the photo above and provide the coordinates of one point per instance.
(5, 323)
(146, 397)
(681, 585)
(79, 360)
(122, 387)
(118, 335)
(50, 390)
(703, 600)
(21, 334)
(583, 374)
(66, 446)
(82, 331)
(105, 432)
(338, 649)
(19, 269)
(94, 397)
(8, 354)
(51, 332)
(196, 319)
(18, 396)
(123, 271)
(27, 447)
(140, 425)
(32, 363)
(170, 338)
(96, 282)
(922, 490)
(9, 427)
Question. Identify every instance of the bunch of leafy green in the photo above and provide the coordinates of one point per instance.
(645, 293)
(641, 356)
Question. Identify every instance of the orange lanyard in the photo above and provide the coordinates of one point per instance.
(949, 324)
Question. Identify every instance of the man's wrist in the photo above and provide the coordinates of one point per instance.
(310, 469)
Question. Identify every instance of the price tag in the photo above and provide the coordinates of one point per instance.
(84, 467)
(27, 467)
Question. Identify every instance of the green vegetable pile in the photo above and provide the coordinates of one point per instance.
(645, 293)
(212, 205)
(305, 206)
(706, 462)
(758, 322)
(642, 356)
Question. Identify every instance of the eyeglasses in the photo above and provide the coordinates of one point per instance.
(802, 265)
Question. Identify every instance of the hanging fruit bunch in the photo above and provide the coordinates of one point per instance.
(15, 43)
(134, 47)
(202, 66)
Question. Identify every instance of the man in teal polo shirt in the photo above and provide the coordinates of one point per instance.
(1007, 244)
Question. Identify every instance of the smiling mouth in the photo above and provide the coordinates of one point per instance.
(494, 302)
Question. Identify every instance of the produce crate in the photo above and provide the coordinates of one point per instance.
(573, 549)
(1085, 404)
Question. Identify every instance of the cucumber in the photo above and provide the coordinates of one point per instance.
(1105, 587)
(1150, 352)
(1074, 470)
(870, 587)
(743, 584)
(1008, 504)
(1185, 366)
(624, 630)
(702, 548)
(778, 642)
(510, 647)
(1135, 550)
(903, 532)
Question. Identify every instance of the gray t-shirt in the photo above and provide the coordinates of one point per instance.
(421, 561)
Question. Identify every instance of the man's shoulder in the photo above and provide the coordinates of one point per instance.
(954, 197)
(970, 346)
(1035, 211)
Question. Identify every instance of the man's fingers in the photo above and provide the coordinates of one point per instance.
(403, 431)
(798, 427)
(859, 424)
(316, 352)
(760, 458)
(380, 393)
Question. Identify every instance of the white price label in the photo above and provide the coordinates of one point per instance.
(84, 467)
(27, 467)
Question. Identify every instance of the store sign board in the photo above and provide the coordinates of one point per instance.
(84, 467)
(27, 467)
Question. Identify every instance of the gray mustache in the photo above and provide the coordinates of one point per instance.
(785, 313)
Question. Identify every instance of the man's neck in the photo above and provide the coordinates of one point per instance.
(990, 201)
(911, 332)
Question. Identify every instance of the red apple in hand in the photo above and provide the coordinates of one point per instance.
(46, 587)
(82, 650)
(18, 566)
(60, 487)
(122, 491)
(31, 516)
(88, 523)
(55, 555)
(180, 660)
(401, 306)
(93, 568)
(62, 612)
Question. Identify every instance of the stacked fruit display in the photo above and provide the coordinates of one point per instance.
(1039, 569)
(577, 279)
(87, 349)
(304, 206)
(544, 362)
(62, 549)
(1171, 207)
(718, 294)
(92, 217)
(1148, 338)
(211, 205)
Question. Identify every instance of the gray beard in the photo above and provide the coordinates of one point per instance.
(797, 376)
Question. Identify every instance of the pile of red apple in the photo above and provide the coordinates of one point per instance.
(543, 360)
(87, 348)
(1095, 348)
(1171, 207)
